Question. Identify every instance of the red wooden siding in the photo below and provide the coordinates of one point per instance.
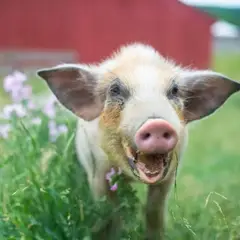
(95, 28)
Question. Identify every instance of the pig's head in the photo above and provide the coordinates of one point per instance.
(143, 103)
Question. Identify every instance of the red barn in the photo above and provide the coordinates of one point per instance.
(93, 29)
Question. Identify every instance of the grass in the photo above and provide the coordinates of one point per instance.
(45, 196)
(208, 183)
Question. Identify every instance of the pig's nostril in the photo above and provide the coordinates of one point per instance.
(166, 135)
(145, 136)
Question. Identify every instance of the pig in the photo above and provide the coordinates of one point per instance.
(133, 112)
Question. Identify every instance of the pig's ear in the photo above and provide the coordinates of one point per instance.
(204, 92)
(75, 87)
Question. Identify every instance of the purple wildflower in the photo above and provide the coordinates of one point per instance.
(31, 105)
(109, 177)
(13, 84)
(13, 81)
(55, 131)
(4, 130)
(22, 93)
(52, 130)
(110, 174)
(49, 108)
(26, 92)
(8, 83)
(21, 77)
(114, 187)
(62, 129)
(9, 110)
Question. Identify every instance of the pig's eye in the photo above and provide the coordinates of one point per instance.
(118, 92)
(115, 90)
(173, 91)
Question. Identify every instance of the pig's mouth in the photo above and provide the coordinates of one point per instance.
(149, 168)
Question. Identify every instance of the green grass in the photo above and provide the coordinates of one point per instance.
(211, 168)
(43, 198)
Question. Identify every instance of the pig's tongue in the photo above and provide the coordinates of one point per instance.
(150, 167)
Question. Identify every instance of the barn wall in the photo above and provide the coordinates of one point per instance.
(95, 28)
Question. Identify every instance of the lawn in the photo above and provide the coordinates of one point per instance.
(44, 195)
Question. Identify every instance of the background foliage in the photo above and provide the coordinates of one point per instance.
(44, 193)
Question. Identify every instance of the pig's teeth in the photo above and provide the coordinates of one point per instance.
(152, 173)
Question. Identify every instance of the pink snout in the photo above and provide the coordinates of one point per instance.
(156, 136)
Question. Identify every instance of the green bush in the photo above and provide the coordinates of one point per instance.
(44, 192)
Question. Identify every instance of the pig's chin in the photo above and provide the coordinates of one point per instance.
(149, 168)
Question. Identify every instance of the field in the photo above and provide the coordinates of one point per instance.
(44, 195)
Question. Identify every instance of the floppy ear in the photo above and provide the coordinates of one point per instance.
(75, 86)
(204, 92)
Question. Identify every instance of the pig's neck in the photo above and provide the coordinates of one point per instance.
(89, 152)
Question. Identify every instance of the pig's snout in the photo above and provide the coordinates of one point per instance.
(156, 136)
